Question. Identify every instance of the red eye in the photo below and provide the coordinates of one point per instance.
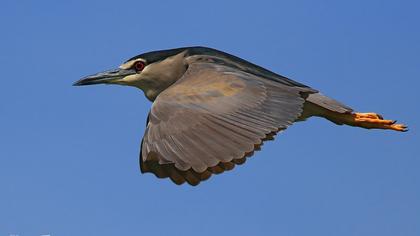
(139, 66)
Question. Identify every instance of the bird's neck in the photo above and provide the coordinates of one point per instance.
(160, 75)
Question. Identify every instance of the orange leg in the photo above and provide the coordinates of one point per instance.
(372, 121)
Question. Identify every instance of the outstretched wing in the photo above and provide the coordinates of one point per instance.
(213, 118)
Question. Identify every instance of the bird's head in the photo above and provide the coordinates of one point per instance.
(152, 72)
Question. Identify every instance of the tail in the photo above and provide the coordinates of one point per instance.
(328, 108)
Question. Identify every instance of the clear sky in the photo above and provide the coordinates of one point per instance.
(69, 155)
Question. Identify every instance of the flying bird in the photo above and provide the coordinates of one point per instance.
(211, 110)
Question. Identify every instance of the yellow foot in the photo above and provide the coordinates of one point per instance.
(376, 121)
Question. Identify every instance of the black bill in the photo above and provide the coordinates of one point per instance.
(104, 77)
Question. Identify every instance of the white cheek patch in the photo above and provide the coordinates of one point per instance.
(131, 80)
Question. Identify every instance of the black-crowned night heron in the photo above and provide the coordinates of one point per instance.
(211, 110)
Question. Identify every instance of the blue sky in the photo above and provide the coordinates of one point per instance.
(69, 155)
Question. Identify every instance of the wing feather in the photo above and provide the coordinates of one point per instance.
(212, 119)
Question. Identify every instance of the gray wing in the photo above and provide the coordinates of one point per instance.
(212, 119)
